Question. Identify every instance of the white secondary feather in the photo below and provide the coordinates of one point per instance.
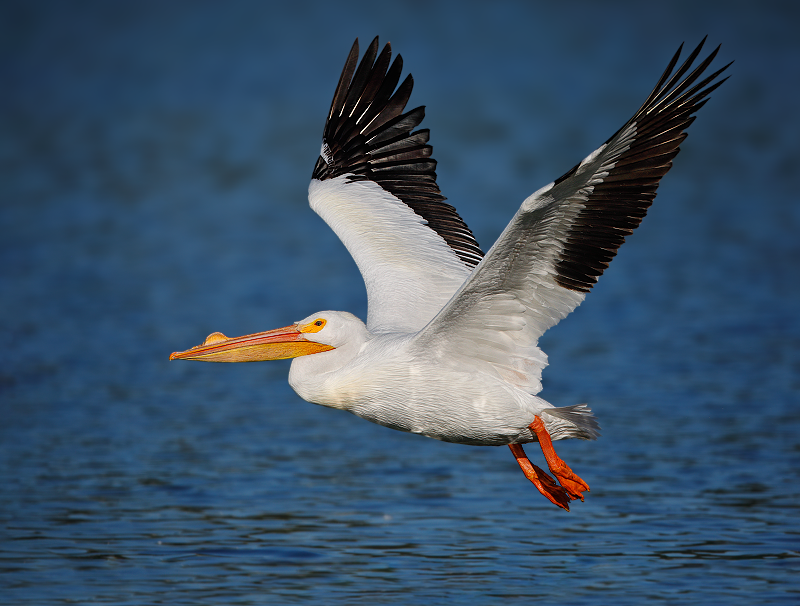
(512, 297)
(409, 270)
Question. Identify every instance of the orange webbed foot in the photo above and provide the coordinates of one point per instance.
(543, 482)
(571, 482)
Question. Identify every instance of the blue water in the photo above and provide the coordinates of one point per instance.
(154, 159)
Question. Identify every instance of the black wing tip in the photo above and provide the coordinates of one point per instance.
(365, 99)
(368, 137)
(619, 202)
(673, 86)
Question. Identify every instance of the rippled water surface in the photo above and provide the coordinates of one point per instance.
(153, 166)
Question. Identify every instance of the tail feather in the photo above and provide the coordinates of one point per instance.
(576, 421)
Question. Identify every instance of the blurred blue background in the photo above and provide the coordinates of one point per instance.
(154, 159)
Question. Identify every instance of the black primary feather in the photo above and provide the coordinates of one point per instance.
(618, 204)
(368, 137)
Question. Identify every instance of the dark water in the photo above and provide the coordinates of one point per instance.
(154, 159)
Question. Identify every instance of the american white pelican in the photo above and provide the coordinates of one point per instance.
(449, 349)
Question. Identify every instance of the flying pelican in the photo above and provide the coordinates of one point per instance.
(449, 349)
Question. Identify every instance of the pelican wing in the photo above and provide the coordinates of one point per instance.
(374, 183)
(564, 236)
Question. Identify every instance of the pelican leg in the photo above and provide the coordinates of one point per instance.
(543, 482)
(573, 484)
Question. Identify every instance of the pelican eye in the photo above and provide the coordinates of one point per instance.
(314, 326)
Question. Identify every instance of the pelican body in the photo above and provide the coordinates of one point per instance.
(450, 346)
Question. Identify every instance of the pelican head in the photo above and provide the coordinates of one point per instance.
(317, 333)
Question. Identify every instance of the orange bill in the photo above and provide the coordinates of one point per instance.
(278, 344)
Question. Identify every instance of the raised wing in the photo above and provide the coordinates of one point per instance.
(564, 236)
(375, 185)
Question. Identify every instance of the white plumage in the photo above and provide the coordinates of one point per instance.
(408, 269)
(450, 347)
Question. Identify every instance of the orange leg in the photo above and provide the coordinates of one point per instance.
(546, 485)
(569, 479)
